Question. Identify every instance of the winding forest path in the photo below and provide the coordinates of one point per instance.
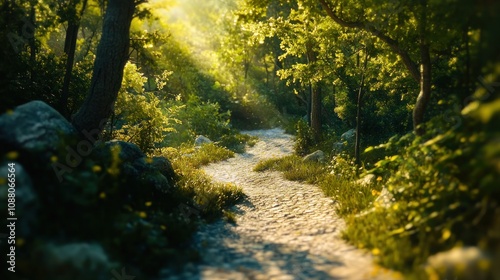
(284, 230)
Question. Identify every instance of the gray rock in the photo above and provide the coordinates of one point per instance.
(200, 140)
(164, 166)
(346, 140)
(461, 263)
(385, 198)
(76, 261)
(143, 171)
(349, 135)
(367, 180)
(338, 147)
(149, 173)
(128, 151)
(26, 199)
(318, 156)
(35, 127)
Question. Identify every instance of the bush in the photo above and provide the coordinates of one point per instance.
(304, 140)
(204, 118)
(445, 184)
(138, 117)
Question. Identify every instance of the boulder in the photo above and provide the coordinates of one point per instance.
(461, 263)
(27, 203)
(367, 180)
(164, 166)
(346, 140)
(34, 127)
(349, 135)
(200, 140)
(128, 151)
(338, 147)
(385, 198)
(76, 261)
(317, 156)
(149, 174)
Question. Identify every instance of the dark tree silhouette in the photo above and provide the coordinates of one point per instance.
(112, 55)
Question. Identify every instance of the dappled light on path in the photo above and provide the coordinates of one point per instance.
(283, 230)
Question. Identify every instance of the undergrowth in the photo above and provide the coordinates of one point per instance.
(210, 199)
(445, 189)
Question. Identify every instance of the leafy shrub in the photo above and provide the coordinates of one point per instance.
(138, 116)
(204, 118)
(446, 189)
(304, 140)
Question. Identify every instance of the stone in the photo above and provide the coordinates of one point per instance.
(461, 263)
(346, 140)
(27, 202)
(348, 135)
(128, 151)
(317, 156)
(164, 166)
(76, 261)
(338, 147)
(367, 180)
(34, 127)
(200, 140)
(385, 198)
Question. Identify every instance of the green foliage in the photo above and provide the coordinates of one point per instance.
(205, 154)
(204, 118)
(138, 116)
(445, 186)
(210, 198)
(304, 141)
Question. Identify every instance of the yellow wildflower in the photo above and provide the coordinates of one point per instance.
(12, 155)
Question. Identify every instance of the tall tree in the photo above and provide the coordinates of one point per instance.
(422, 77)
(73, 19)
(112, 54)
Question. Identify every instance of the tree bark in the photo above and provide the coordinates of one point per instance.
(69, 50)
(316, 112)
(425, 74)
(112, 54)
(315, 90)
(358, 113)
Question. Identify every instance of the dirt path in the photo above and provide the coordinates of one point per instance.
(284, 230)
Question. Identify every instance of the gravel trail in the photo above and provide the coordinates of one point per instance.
(284, 229)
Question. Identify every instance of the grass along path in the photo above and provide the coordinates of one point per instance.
(283, 230)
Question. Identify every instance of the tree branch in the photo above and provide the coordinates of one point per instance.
(393, 44)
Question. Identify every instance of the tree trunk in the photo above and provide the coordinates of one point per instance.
(316, 112)
(32, 42)
(425, 75)
(69, 50)
(112, 54)
(358, 113)
(315, 90)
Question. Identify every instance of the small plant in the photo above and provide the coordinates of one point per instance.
(294, 168)
(304, 141)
